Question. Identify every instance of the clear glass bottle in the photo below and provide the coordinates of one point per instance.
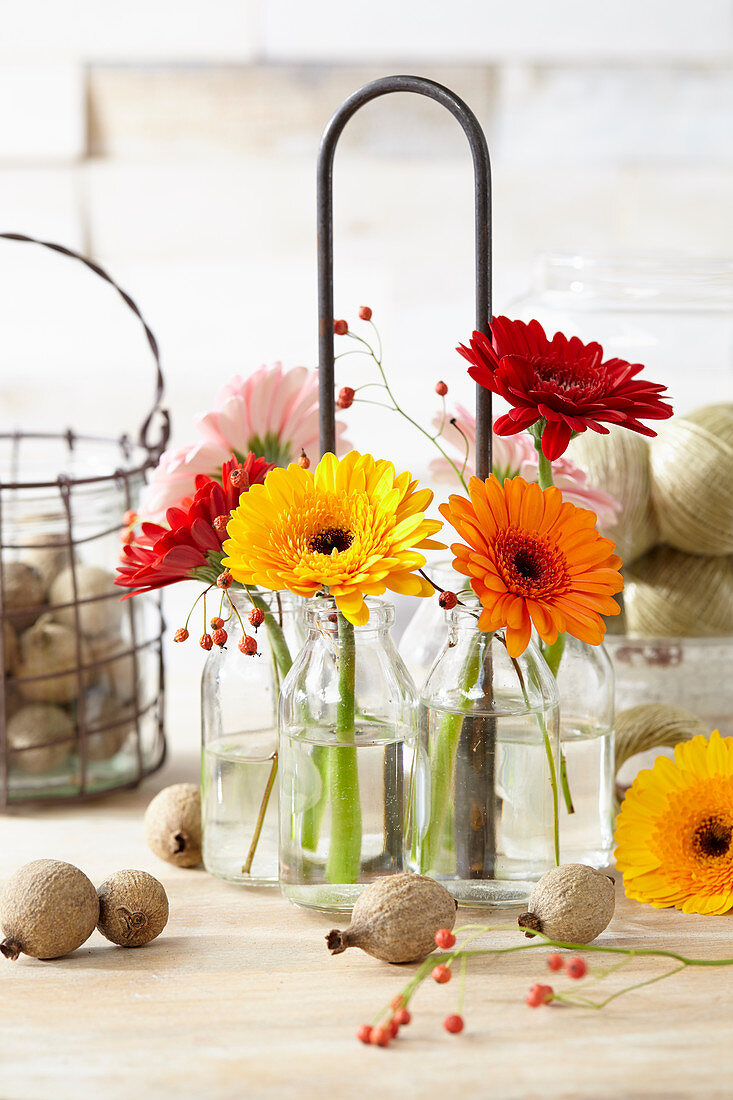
(239, 699)
(483, 807)
(427, 630)
(348, 714)
(585, 683)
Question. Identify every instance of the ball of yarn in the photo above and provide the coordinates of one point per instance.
(653, 726)
(692, 481)
(672, 594)
(618, 463)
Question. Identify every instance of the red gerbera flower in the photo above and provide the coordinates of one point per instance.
(561, 383)
(183, 550)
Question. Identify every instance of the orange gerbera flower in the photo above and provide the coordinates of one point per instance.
(533, 559)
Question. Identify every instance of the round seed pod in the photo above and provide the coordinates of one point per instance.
(118, 676)
(48, 560)
(173, 825)
(40, 738)
(99, 617)
(10, 647)
(571, 904)
(104, 710)
(395, 919)
(49, 649)
(133, 908)
(48, 909)
(22, 589)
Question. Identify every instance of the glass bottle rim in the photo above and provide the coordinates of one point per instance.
(288, 601)
(466, 611)
(320, 609)
(653, 281)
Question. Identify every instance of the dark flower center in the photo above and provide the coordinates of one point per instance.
(582, 378)
(333, 538)
(713, 837)
(529, 563)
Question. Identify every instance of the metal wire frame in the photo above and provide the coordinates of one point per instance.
(474, 754)
(482, 190)
(121, 479)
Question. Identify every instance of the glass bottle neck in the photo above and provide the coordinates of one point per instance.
(324, 619)
(275, 602)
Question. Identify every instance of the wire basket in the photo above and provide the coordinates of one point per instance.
(82, 695)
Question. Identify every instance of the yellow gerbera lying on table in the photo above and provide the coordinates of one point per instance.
(674, 834)
(350, 526)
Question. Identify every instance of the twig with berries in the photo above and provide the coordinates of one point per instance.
(388, 1021)
(348, 394)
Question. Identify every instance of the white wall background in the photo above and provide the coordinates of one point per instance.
(175, 142)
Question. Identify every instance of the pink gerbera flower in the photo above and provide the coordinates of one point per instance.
(514, 456)
(273, 413)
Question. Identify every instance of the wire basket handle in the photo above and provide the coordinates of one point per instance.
(482, 189)
(154, 449)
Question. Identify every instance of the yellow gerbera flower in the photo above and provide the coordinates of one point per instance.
(350, 526)
(675, 829)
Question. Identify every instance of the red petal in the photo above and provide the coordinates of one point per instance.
(555, 439)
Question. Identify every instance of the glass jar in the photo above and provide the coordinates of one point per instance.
(239, 699)
(585, 683)
(674, 314)
(348, 714)
(81, 701)
(425, 634)
(484, 792)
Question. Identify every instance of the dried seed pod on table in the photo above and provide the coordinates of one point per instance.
(571, 904)
(173, 824)
(133, 908)
(48, 909)
(395, 919)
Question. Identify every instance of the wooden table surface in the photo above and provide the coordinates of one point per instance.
(239, 998)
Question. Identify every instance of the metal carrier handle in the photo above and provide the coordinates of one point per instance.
(154, 449)
(482, 185)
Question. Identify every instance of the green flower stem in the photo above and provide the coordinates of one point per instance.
(550, 762)
(442, 764)
(553, 784)
(282, 662)
(544, 477)
(310, 828)
(247, 866)
(552, 653)
(344, 853)
(543, 942)
(275, 635)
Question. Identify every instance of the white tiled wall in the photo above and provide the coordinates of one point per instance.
(175, 141)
